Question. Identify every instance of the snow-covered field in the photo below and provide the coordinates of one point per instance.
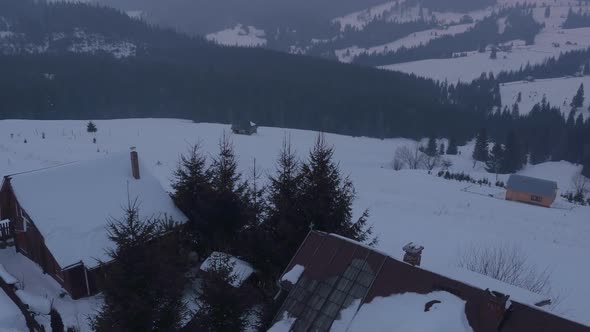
(558, 91)
(404, 205)
(239, 36)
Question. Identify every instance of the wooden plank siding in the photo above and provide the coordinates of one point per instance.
(512, 195)
(30, 242)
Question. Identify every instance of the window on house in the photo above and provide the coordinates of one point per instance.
(536, 198)
(316, 304)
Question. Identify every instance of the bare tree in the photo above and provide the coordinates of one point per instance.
(508, 264)
(432, 161)
(410, 157)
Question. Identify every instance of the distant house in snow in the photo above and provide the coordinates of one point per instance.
(59, 214)
(531, 190)
(244, 127)
(334, 283)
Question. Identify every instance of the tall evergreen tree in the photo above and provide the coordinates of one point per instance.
(513, 156)
(452, 149)
(228, 208)
(578, 99)
(284, 227)
(496, 159)
(431, 148)
(547, 11)
(192, 190)
(480, 152)
(327, 197)
(145, 283)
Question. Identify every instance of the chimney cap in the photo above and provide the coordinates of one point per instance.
(132, 148)
(413, 248)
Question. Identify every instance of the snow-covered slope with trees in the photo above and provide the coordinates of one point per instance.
(408, 205)
(559, 92)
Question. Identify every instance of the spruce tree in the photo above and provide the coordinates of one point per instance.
(452, 148)
(147, 276)
(547, 11)
(480, 152)
(496, 159)
(578, 99)
(228, 207)
(494, 53)
(513, 156)
(327, 197)
(222, 307)
(431, 148)
(587, 69)
(284, 227)
(441, 150)
(192, 191)
(91, 127)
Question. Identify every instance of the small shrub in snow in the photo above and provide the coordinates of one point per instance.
(410, 157)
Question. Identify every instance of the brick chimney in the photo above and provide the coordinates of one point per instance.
(413, 254)
(134, 164)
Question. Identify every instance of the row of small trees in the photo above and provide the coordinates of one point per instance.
(262, 222)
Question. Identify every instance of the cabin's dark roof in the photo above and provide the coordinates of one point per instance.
(338, 271)
(531, 185)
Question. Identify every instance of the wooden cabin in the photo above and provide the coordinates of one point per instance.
(531, 190)
(58, 215)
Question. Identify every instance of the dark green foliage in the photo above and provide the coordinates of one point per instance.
(576, 20)
(453, 5)
(284, 228)
(145, 283)
(494, 53)
(431, 148)
(495, 159)
(441, 150)
(514, 158)
(578, 99)
(452, 148)
(480, 152)
(568, 63)
(91, 127)
(57, 324)
(327, 197)
(192, 190)
(228, 207)
(222, 306)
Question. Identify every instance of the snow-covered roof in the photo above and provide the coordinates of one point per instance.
(242, 269)
(70, 204)
(471, 278)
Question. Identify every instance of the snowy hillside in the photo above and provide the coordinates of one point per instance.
(551, 41)
(239, 36)
(444, 216)
(559, 93)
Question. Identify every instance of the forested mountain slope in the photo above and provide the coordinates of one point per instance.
(172, 75)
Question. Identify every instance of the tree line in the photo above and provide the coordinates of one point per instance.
(544, 134)
(576, 19)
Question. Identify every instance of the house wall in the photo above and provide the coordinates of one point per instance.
(518, 196)
(30, 243)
